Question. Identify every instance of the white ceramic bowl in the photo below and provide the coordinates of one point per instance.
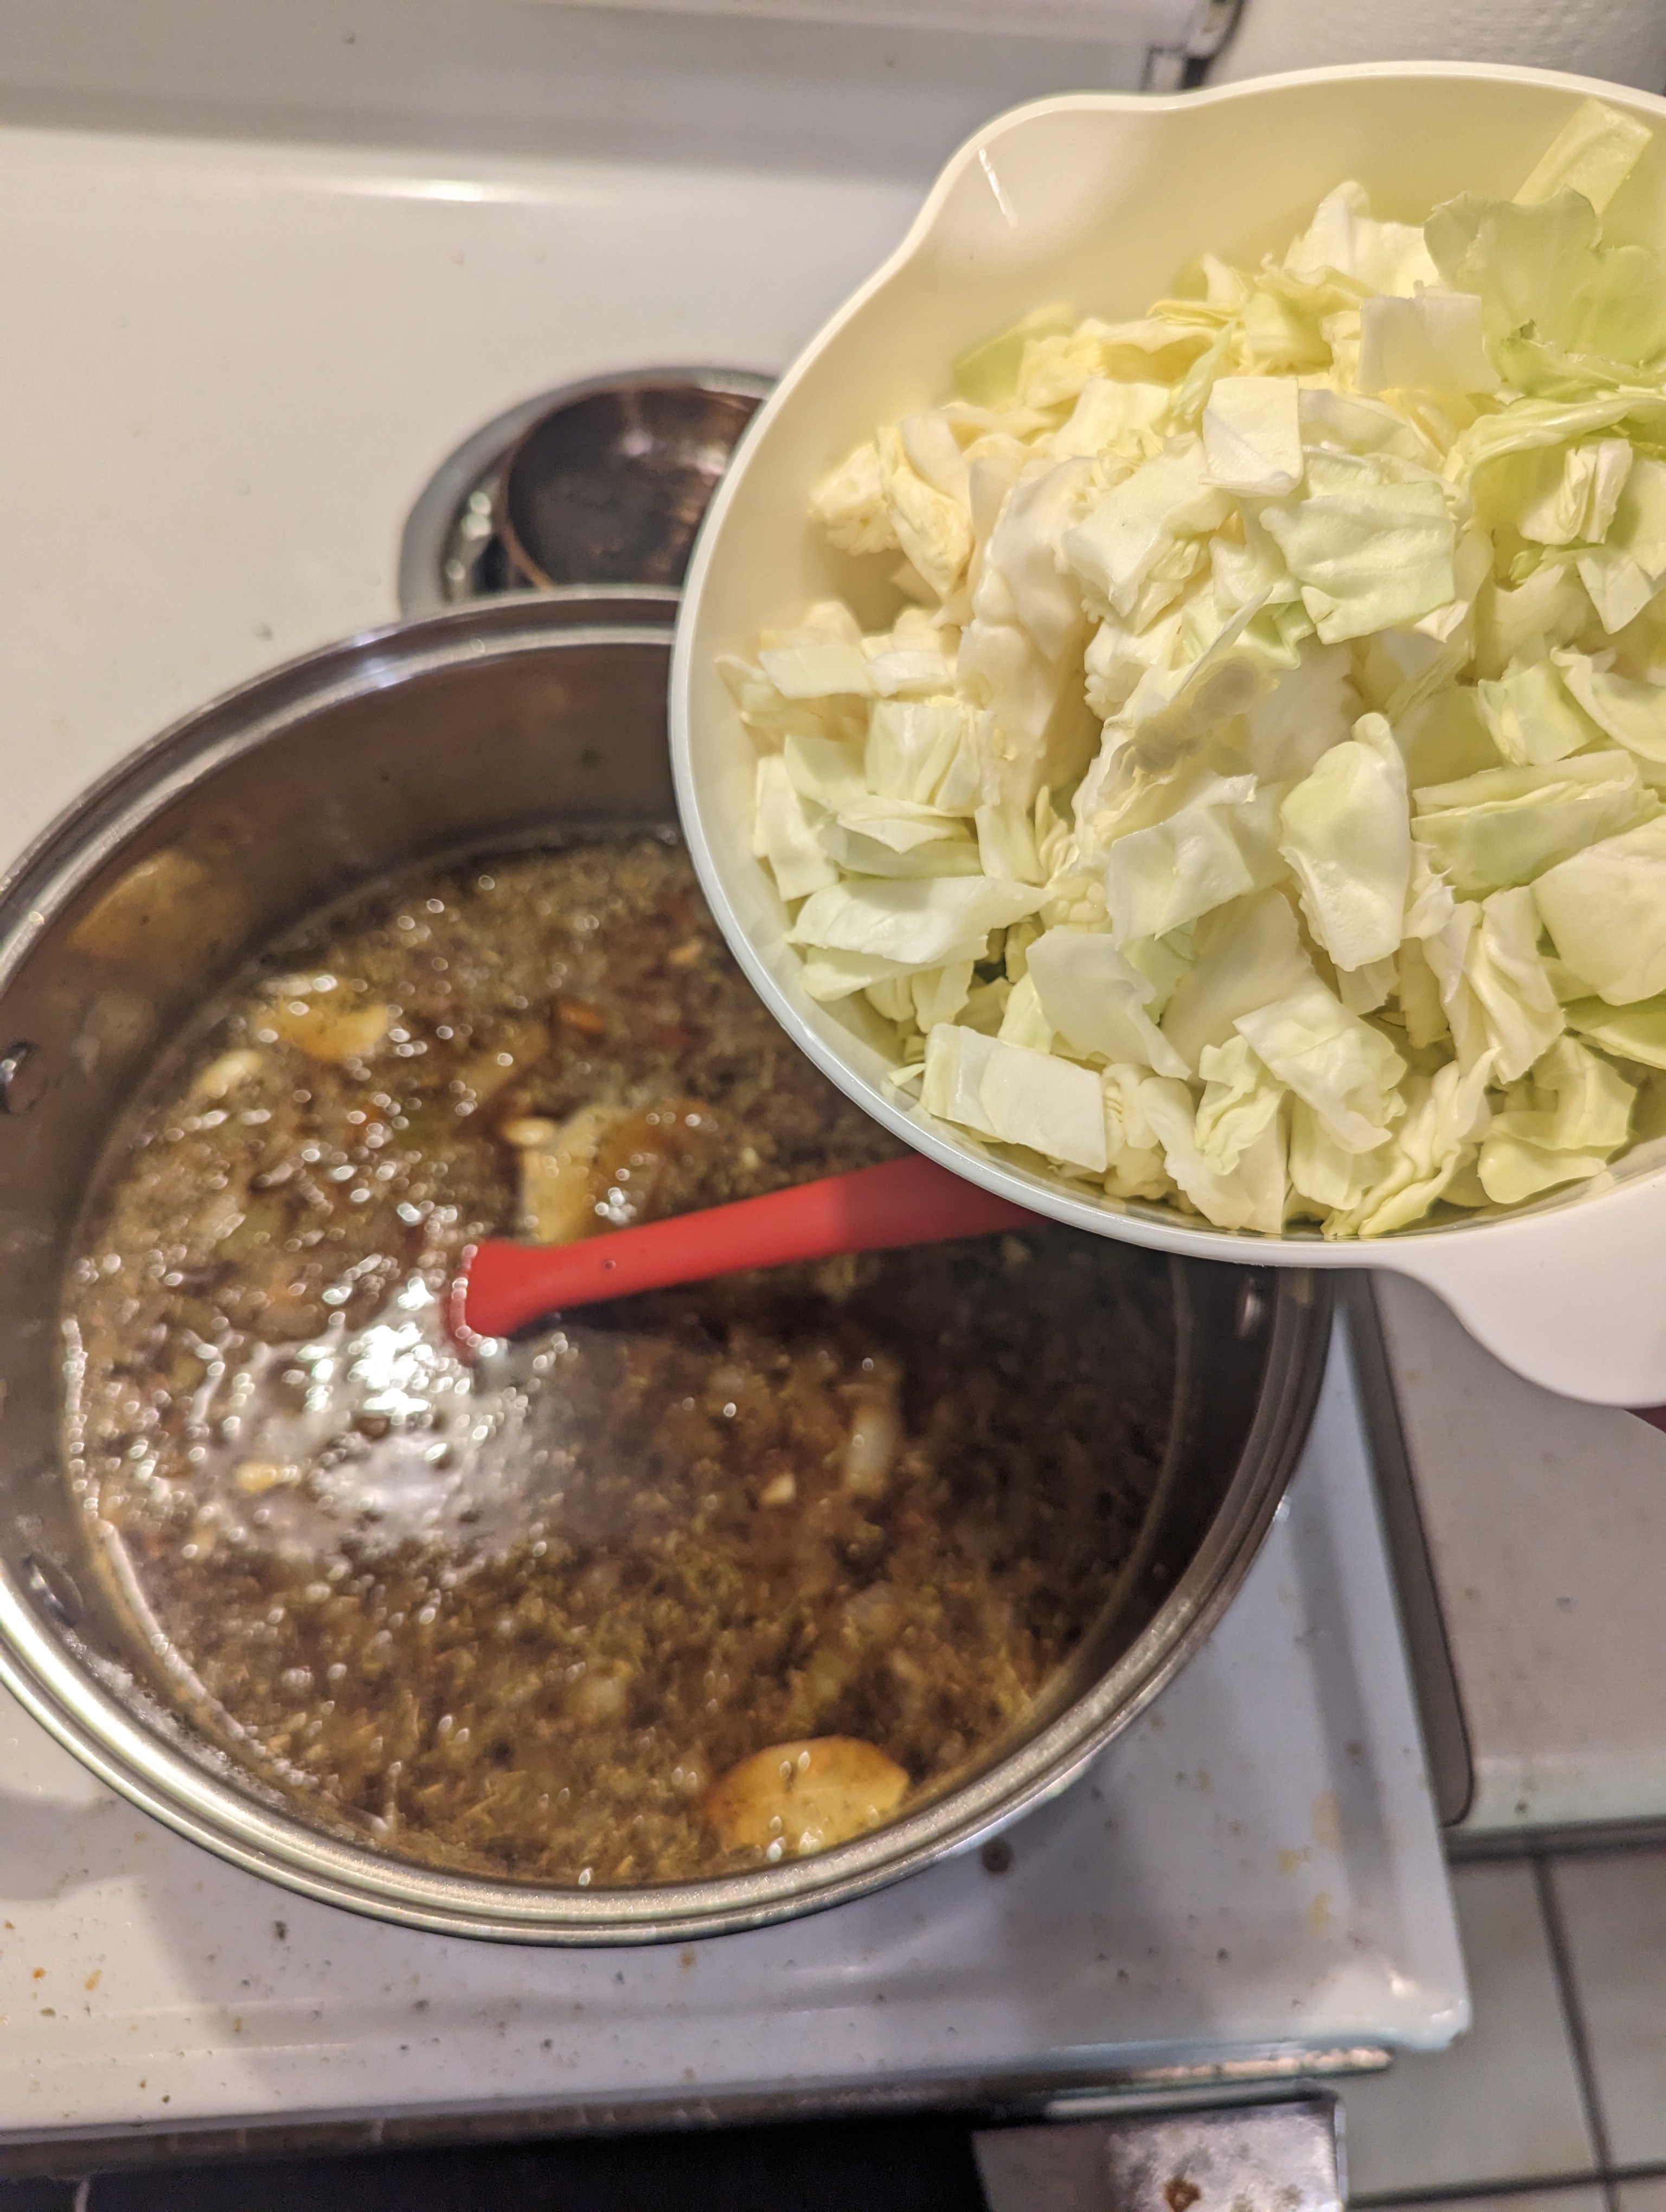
(1098, 198)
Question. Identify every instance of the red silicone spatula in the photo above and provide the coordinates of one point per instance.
(912, 1201)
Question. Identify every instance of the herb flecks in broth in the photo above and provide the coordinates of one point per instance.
(532, 1618)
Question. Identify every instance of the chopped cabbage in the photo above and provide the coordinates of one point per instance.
(1255, 801)
(933, 527)
(1347, 238)
(1217, 848)
(1638, 529)
(914, 746)
(823, 770)
(1135, 1166)
(1345, 1070)
(1634, 1032)
(1430, 344)
(1579, 1117)
(919, 924)
(785, 836)
(1532, 717)
(1022, 1020)
(1006, 843)
(1250, 1195)
(1572, 493)
(1325, 1177)
(1097, 1000)
(1252, 435)
(816, 671)
(830, 975)
(1634, 715)
(1241, 1099)
(1503, 967)
(1507, 825)
(895, 848)
(1605, 908)
(1371, 558)
(1544, 268)
(1446, 1112)
(1248, 954)
(1348, 841)
(1106, 413)
(1310, 707)
(1593, 153)
(1140, 527)
(1017, 1096)
(938, 994)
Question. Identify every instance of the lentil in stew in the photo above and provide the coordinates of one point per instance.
(668, 1588)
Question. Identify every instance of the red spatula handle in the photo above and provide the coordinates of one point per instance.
(911, 1201)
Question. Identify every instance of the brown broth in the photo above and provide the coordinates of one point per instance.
(517, 1619)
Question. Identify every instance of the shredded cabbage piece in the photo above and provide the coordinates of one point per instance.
(1348, 843)
(1254, 804)
(1577, 1115)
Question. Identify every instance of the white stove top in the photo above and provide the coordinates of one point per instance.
(229, 368)
(1251, 1874)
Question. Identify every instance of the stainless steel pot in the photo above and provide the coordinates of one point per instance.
(491, 726)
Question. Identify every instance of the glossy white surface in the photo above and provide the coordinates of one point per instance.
(1573, 1292)
(1255, 1865)
(1164, 22)
(1547, 1525)
(1624, 39)
(615, 83)
(230, 369)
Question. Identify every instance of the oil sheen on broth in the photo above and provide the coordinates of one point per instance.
(672, 1587)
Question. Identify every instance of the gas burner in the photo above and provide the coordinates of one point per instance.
(598, 482)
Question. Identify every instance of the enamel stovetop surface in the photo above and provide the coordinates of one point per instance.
(1251, 1874)
(229, 368)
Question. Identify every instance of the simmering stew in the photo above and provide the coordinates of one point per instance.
(676, 1586)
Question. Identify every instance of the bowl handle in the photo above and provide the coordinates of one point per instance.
(1574, 1298)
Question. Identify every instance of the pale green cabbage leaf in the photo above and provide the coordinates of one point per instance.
(1593, 153)
(1348, 840)
(919, 923)
(1241, 1099)
(1543, 267)
(1532, 716)
(1430, 344)
(1252, 435)
(1251, 1195)
(1367, 560)
(1579, 1117)
(1436, 1137)
(1097, 1000)
(1635, 1032)
(1605, 908)
(784, 835)
(1345, 1070)
(1015, 1097)
(1218, 849)
(1506, 825)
